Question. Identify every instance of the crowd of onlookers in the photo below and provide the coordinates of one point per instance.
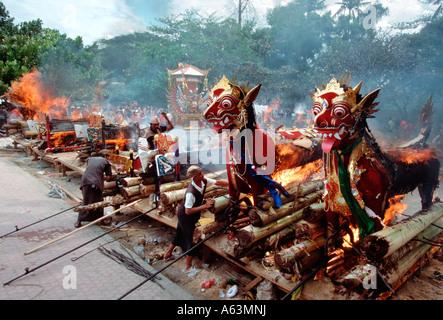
(128, 114)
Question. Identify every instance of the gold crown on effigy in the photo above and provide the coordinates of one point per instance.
(365, 105)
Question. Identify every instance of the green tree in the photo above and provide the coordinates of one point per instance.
(70, 69)
(299, 31)
(7, 26)
(140, 61)
(20, 47)
(350, 19)
(351, 8)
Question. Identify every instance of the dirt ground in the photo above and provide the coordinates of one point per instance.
(150, 239)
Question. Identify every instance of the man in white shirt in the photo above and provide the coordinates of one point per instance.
(189, 212)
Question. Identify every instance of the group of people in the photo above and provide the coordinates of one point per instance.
(99, 169)
(128, 114)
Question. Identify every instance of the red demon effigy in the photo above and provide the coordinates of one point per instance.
(249, 164)
(360, 176)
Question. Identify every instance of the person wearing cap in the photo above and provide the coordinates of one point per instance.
(155, 128)
(189, 212)
(92, 185)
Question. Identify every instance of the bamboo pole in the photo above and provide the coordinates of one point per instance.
(405, 264)
(315, 212)
(178, 195)
(84, 227)
(201, 232)
(116, 201)
(387, 241)
(307, 230)
(110, 185)
(250, 234)
(262, 218)
(96, 205)
(432, 232)
(296, 189)
(131, 191)
(130, 181)
(286, 234)
(147, 189)
(286, 258)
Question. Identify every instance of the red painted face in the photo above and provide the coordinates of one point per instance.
(222, 110)
(333, 120)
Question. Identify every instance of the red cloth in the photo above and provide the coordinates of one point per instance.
(290, 134)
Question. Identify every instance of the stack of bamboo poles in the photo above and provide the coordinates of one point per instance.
(171, 194)
(398, 249)
(265, 222)
(134, 188)
(308, 243)
(264, 227)
(128, 190)
(12, 127)
(20, 126)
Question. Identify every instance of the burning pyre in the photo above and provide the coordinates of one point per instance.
(33, 96)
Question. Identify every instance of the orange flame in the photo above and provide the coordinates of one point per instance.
(347, 241)
(120, 142)
(31, 92)
(62, 139)
(267, 113)
(396, 207)
(298, 174)
(410, 156)
(76, 114)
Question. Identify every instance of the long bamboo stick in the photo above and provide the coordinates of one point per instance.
(250, 234)
(385, 242)
(430, 232)
(296, 189)
(178, 195)
(84, 227)
(260, 219)
(147, 189)
(285, 259)
(184, 183)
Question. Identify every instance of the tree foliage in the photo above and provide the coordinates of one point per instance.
(21, 46)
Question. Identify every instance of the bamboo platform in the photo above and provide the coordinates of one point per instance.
(218, 245)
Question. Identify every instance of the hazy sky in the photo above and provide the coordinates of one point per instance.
(95, 19)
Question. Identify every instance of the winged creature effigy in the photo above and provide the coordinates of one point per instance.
(252, 156)
(360, 176)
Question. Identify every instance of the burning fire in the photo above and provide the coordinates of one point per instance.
(267, 118)
(120, 142)
(62, 139)
(298, 174)
(347, 241)
(31, 92)
(396, 207)
(410, 156)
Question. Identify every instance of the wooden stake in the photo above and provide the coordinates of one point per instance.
(84, 227)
